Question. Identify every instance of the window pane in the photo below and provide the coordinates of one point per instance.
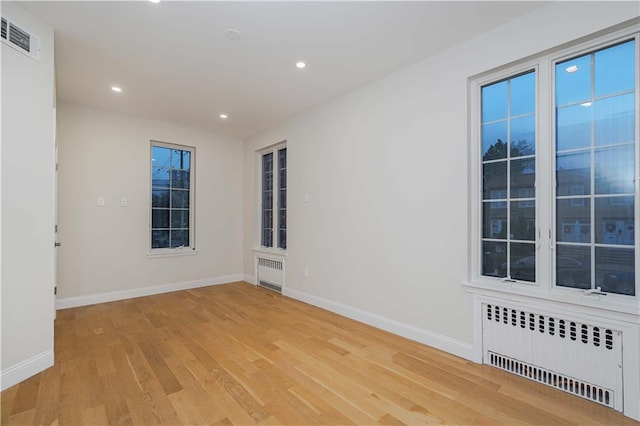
(179, 199)
(282, 229)
(180, 218)
(159, 239)
(573, 127)
(494, 220)
(523, 136)
(494, 102)
(615, 270)
(160, 198)
(573, 268)
(494, 256)
(160, 178)
(179, 239)
(573, 220)
(614, 69)
(494, 141)
(494, 180)
(614, 170)
(573, 80)
(160, 218)
(523, 221)
(180, 159)
(523, 178)
(180, 179)
(282, 178)
(160, 157)
(523, 262)
(282, 239)
(615, 119)
(522, 94)
(573, 174)
(614, 220)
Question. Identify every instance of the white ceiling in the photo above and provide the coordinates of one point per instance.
(175, 64)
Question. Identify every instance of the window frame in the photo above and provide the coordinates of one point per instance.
(183, 250)
(275, 166)
(544, 288)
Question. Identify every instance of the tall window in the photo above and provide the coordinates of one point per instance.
(595, 169)
(508, 178)
(171, 196)
(273, 227)
(559, 150)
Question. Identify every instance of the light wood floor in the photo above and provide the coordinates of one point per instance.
(238, 354)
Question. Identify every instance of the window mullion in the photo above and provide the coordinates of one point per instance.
(545, 174)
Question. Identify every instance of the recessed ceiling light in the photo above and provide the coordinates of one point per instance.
(300, 64)
(154, 1)
(572, 68)
(224, 116)
(116, 89)
(232, 34)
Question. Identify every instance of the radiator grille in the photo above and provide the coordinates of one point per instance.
(544, 324)
(572, 353)
(270, 273)
(270, 263)
(559, 381)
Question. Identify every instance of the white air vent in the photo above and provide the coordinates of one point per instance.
(573, 355)
(20, 39)
(270, 273)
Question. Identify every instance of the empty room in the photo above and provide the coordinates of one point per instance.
(311, 212)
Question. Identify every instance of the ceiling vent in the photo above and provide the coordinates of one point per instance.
(20, 39)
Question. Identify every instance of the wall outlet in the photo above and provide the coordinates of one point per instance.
(101, 201)
(306, 272)
(123, 202)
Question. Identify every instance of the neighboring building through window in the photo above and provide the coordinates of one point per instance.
(587, 168)
(273, 210)
(171, 196)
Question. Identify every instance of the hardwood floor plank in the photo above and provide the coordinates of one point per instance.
(26, 396)
(238, 354)
(95, 415)
(162, 372)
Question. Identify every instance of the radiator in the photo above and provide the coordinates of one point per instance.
(270, 273)
(574, 355)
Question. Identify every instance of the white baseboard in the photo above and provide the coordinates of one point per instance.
(444, 343)
(25, 369)
(250, 279)
(72, 302)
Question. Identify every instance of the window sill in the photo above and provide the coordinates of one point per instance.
(270, 251)
(154, 254)
(624, 308)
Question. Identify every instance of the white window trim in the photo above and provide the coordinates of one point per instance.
(544, 290)
(177, 251)
(257, 240)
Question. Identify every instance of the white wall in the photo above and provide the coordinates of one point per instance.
(104, 249)
(384, 234)
(27, 205)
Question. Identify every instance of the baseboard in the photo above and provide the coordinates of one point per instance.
(444, 343)
(72, 302)
(25, 369)
(250, 279)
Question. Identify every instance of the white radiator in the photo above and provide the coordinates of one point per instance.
(575, 356)
(270, 273)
